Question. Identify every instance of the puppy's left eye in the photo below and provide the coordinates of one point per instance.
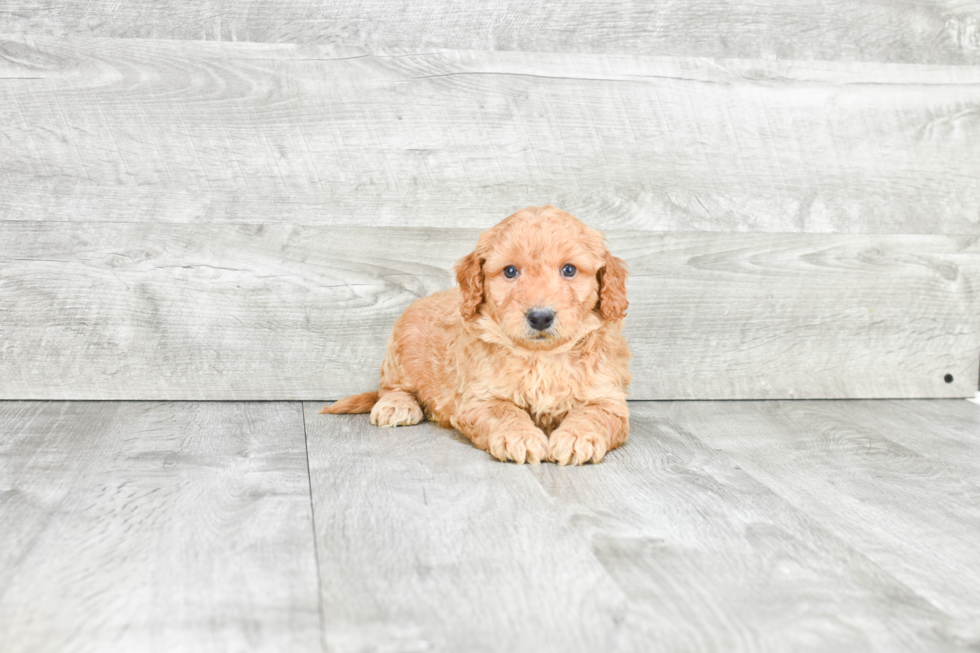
(568, 271)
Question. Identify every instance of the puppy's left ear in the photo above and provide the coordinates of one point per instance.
(612, 288)
(469, 276)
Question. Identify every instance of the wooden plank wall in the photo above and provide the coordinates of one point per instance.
(236, 200)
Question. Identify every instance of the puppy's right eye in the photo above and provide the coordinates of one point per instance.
(510, 272)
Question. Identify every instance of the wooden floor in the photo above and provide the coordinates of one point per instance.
(720, 526)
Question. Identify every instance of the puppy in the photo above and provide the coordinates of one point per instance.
(525, 357)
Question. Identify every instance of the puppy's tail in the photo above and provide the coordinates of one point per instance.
(362, 403)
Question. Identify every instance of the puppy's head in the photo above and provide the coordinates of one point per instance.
(543, 278)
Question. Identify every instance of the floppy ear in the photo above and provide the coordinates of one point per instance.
(469, 276)
(612, 288)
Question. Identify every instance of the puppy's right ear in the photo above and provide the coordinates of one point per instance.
(469, 276)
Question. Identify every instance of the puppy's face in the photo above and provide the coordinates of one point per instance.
(541, 274)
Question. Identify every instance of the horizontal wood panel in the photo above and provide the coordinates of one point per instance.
(163, 131)
(155, 527)
(130, 311)
(942, 31)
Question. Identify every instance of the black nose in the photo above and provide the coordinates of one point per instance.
(540, 318)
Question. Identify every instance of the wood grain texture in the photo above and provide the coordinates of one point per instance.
(670, 544)
(940, 31)
(155, 527)
(130, 130)
(137, 311)
(944, 431)
(425, 543)
(878, 476)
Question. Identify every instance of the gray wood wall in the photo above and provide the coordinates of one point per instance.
(235, 200)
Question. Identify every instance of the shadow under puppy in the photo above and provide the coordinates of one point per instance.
(525, 357)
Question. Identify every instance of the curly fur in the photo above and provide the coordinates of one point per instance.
(468, 359)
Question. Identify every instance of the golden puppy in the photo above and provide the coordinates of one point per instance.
(525, 357)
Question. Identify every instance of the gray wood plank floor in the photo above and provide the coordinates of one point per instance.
(720, 526)
(155, 527)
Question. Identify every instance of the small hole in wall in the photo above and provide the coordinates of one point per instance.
(948, 378)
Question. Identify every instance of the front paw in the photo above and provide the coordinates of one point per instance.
(577, 446)
(529, 446)
(396, 409)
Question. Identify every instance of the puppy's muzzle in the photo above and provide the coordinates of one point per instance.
(540, 319)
